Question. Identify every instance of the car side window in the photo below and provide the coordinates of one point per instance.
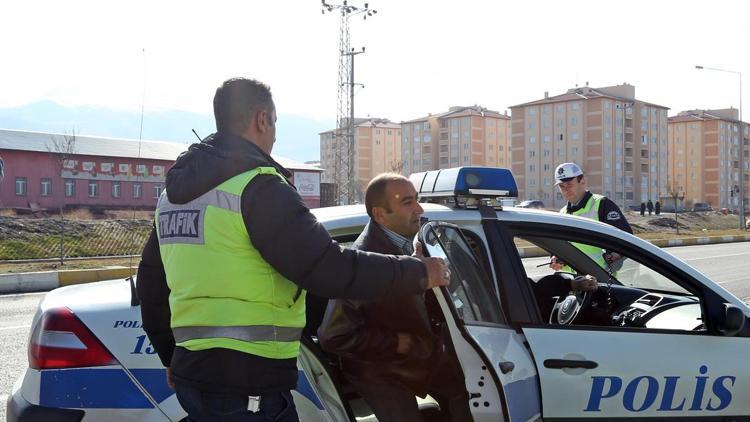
(631, 293)
(471, 290)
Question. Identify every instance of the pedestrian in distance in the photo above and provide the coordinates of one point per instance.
(657, 208)
(224, 274)
(650, 207)
(643, 209)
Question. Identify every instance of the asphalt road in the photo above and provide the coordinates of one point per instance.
(727, 264)
(16, 313)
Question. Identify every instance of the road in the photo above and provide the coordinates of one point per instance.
(727, 264)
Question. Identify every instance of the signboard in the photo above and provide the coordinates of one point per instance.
(308, 184)
(124, 168)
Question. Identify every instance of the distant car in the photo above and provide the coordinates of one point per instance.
(702, 207)
(532, 203)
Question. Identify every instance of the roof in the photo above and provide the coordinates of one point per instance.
(369, 122)
(578, 94)
(458, 111)
(111, 147)
(699, 115)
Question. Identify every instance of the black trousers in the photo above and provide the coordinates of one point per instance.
(394, 402)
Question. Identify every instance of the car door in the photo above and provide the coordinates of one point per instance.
(661, 355)
(500, 376)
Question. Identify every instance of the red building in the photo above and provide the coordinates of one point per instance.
(45, 170)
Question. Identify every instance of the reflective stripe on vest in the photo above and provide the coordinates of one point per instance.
(590, 211)
(223, 292)
(248, 333)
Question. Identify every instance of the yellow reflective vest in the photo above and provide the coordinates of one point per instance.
(223, 293)
(591, 211)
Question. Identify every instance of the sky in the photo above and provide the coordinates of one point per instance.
(421, 56)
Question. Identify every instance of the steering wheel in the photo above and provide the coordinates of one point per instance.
(568, 308)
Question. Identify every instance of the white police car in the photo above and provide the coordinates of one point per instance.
(657, 340)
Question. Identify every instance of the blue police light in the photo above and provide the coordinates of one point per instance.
(465, 183)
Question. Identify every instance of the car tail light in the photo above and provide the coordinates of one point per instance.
(61, 340)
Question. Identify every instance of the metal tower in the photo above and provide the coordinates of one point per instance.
(344, 174)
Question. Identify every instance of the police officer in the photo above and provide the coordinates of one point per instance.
(572, 184)
(224, 274)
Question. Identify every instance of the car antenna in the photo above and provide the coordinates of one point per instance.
(196, 134)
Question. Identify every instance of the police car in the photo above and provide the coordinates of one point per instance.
(656, 340)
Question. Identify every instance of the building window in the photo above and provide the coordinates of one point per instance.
(573, 121)
(157, 191)
(70, 187)
(576, 106)
(116, 189)
(93, 188)
(46, 187)
(21, 186)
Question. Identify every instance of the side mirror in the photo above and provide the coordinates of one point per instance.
(734, 320)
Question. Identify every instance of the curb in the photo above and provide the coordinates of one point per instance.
(535, 251)
(48, 280)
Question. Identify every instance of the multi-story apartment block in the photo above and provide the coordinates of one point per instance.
(377, 149)
(463, 136)
(618, 140)
(704, 157)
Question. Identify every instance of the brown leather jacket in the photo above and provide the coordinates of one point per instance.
(363, 333)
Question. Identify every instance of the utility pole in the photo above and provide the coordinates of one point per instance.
(344, 165)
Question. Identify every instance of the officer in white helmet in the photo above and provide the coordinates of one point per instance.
(571, 181)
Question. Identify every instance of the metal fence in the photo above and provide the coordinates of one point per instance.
(45, 238)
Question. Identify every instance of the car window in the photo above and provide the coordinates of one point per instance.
(471, 290)
(631, 293)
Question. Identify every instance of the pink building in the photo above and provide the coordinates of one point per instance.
(45, 170)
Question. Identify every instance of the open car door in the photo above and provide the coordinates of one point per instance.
(499, 373)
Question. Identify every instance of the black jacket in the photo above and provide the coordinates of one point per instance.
(288, 237)
(364, 333)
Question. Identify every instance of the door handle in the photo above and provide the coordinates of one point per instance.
(568, 363)
(506, 367)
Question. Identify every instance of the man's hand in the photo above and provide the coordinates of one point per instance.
(584, 283)
(170, 383)
(556, 263)
(404, 343)
(438, 273)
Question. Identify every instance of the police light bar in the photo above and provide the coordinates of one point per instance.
(465, 182)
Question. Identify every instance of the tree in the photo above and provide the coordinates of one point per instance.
(676, 192)
(397, 166)
(62, 148)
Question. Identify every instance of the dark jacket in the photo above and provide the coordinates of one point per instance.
(363, 333)
(288, 237)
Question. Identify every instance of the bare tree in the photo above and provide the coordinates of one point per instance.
(62, 148)
(676, 192)
(397, 166)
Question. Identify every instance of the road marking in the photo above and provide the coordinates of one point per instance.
(15, 327)
(732, 280)
(718, 256)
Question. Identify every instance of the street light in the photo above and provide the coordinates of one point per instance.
(742, 146)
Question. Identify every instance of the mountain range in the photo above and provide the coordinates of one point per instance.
(297, 136)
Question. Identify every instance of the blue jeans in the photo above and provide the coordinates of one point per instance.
(203, 406)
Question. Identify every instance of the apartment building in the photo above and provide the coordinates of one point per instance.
(704, 156)
(377, 149)
(462, 136)
(618, 140)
